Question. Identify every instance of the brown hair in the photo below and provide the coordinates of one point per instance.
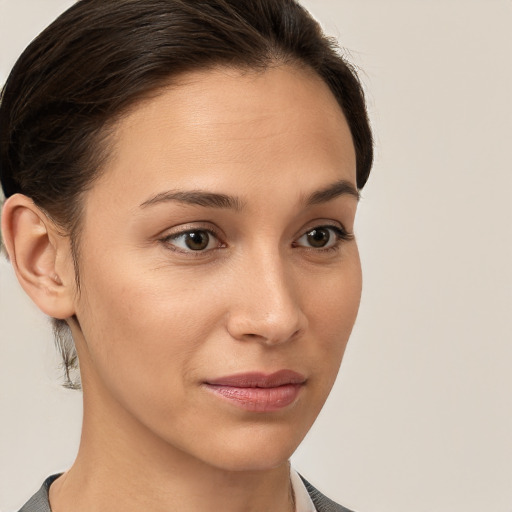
(100, 57)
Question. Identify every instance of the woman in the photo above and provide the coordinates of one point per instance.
(181, 182)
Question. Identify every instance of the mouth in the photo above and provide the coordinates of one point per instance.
(259, 392)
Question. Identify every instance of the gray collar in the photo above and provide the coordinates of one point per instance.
(40, 503)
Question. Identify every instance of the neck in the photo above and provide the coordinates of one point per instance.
(123, 466)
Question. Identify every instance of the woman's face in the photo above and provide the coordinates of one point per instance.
(216, 251)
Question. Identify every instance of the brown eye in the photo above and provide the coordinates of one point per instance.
(318, 237)
(323, 237)
(197, 240)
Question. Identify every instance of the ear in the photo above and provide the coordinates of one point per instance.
(40, 255)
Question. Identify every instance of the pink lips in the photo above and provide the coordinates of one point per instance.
(259, 392)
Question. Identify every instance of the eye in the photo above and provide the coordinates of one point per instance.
(323, 237)
(193, 240)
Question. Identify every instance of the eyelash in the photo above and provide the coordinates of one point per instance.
(340, 234)
(167, 241)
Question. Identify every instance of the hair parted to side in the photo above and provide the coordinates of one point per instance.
(100, 58)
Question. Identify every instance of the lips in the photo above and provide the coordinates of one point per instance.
(259, 392)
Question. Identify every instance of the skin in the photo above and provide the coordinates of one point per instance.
(157, 319)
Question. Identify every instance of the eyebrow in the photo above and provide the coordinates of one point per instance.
(198, 198)
(330, 192)
(224, 201)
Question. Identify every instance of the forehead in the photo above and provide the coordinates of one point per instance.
(226, 127)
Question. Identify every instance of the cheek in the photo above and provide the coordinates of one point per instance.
(141, 328)
(332, 311)
(336, 298)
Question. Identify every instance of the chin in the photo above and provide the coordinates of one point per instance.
(260, 448)
(253, 460)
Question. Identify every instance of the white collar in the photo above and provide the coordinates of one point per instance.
(303, 502)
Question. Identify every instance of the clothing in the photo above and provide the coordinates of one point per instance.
(40, 503)
(303, 502)
(322, 503)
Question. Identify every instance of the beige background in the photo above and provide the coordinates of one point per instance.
(421, 416)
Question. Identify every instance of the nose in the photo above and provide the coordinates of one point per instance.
(266, 305)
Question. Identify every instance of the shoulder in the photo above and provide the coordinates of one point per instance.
(322, 503)
(39, 502)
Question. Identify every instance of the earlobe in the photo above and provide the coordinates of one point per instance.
(38, 254)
